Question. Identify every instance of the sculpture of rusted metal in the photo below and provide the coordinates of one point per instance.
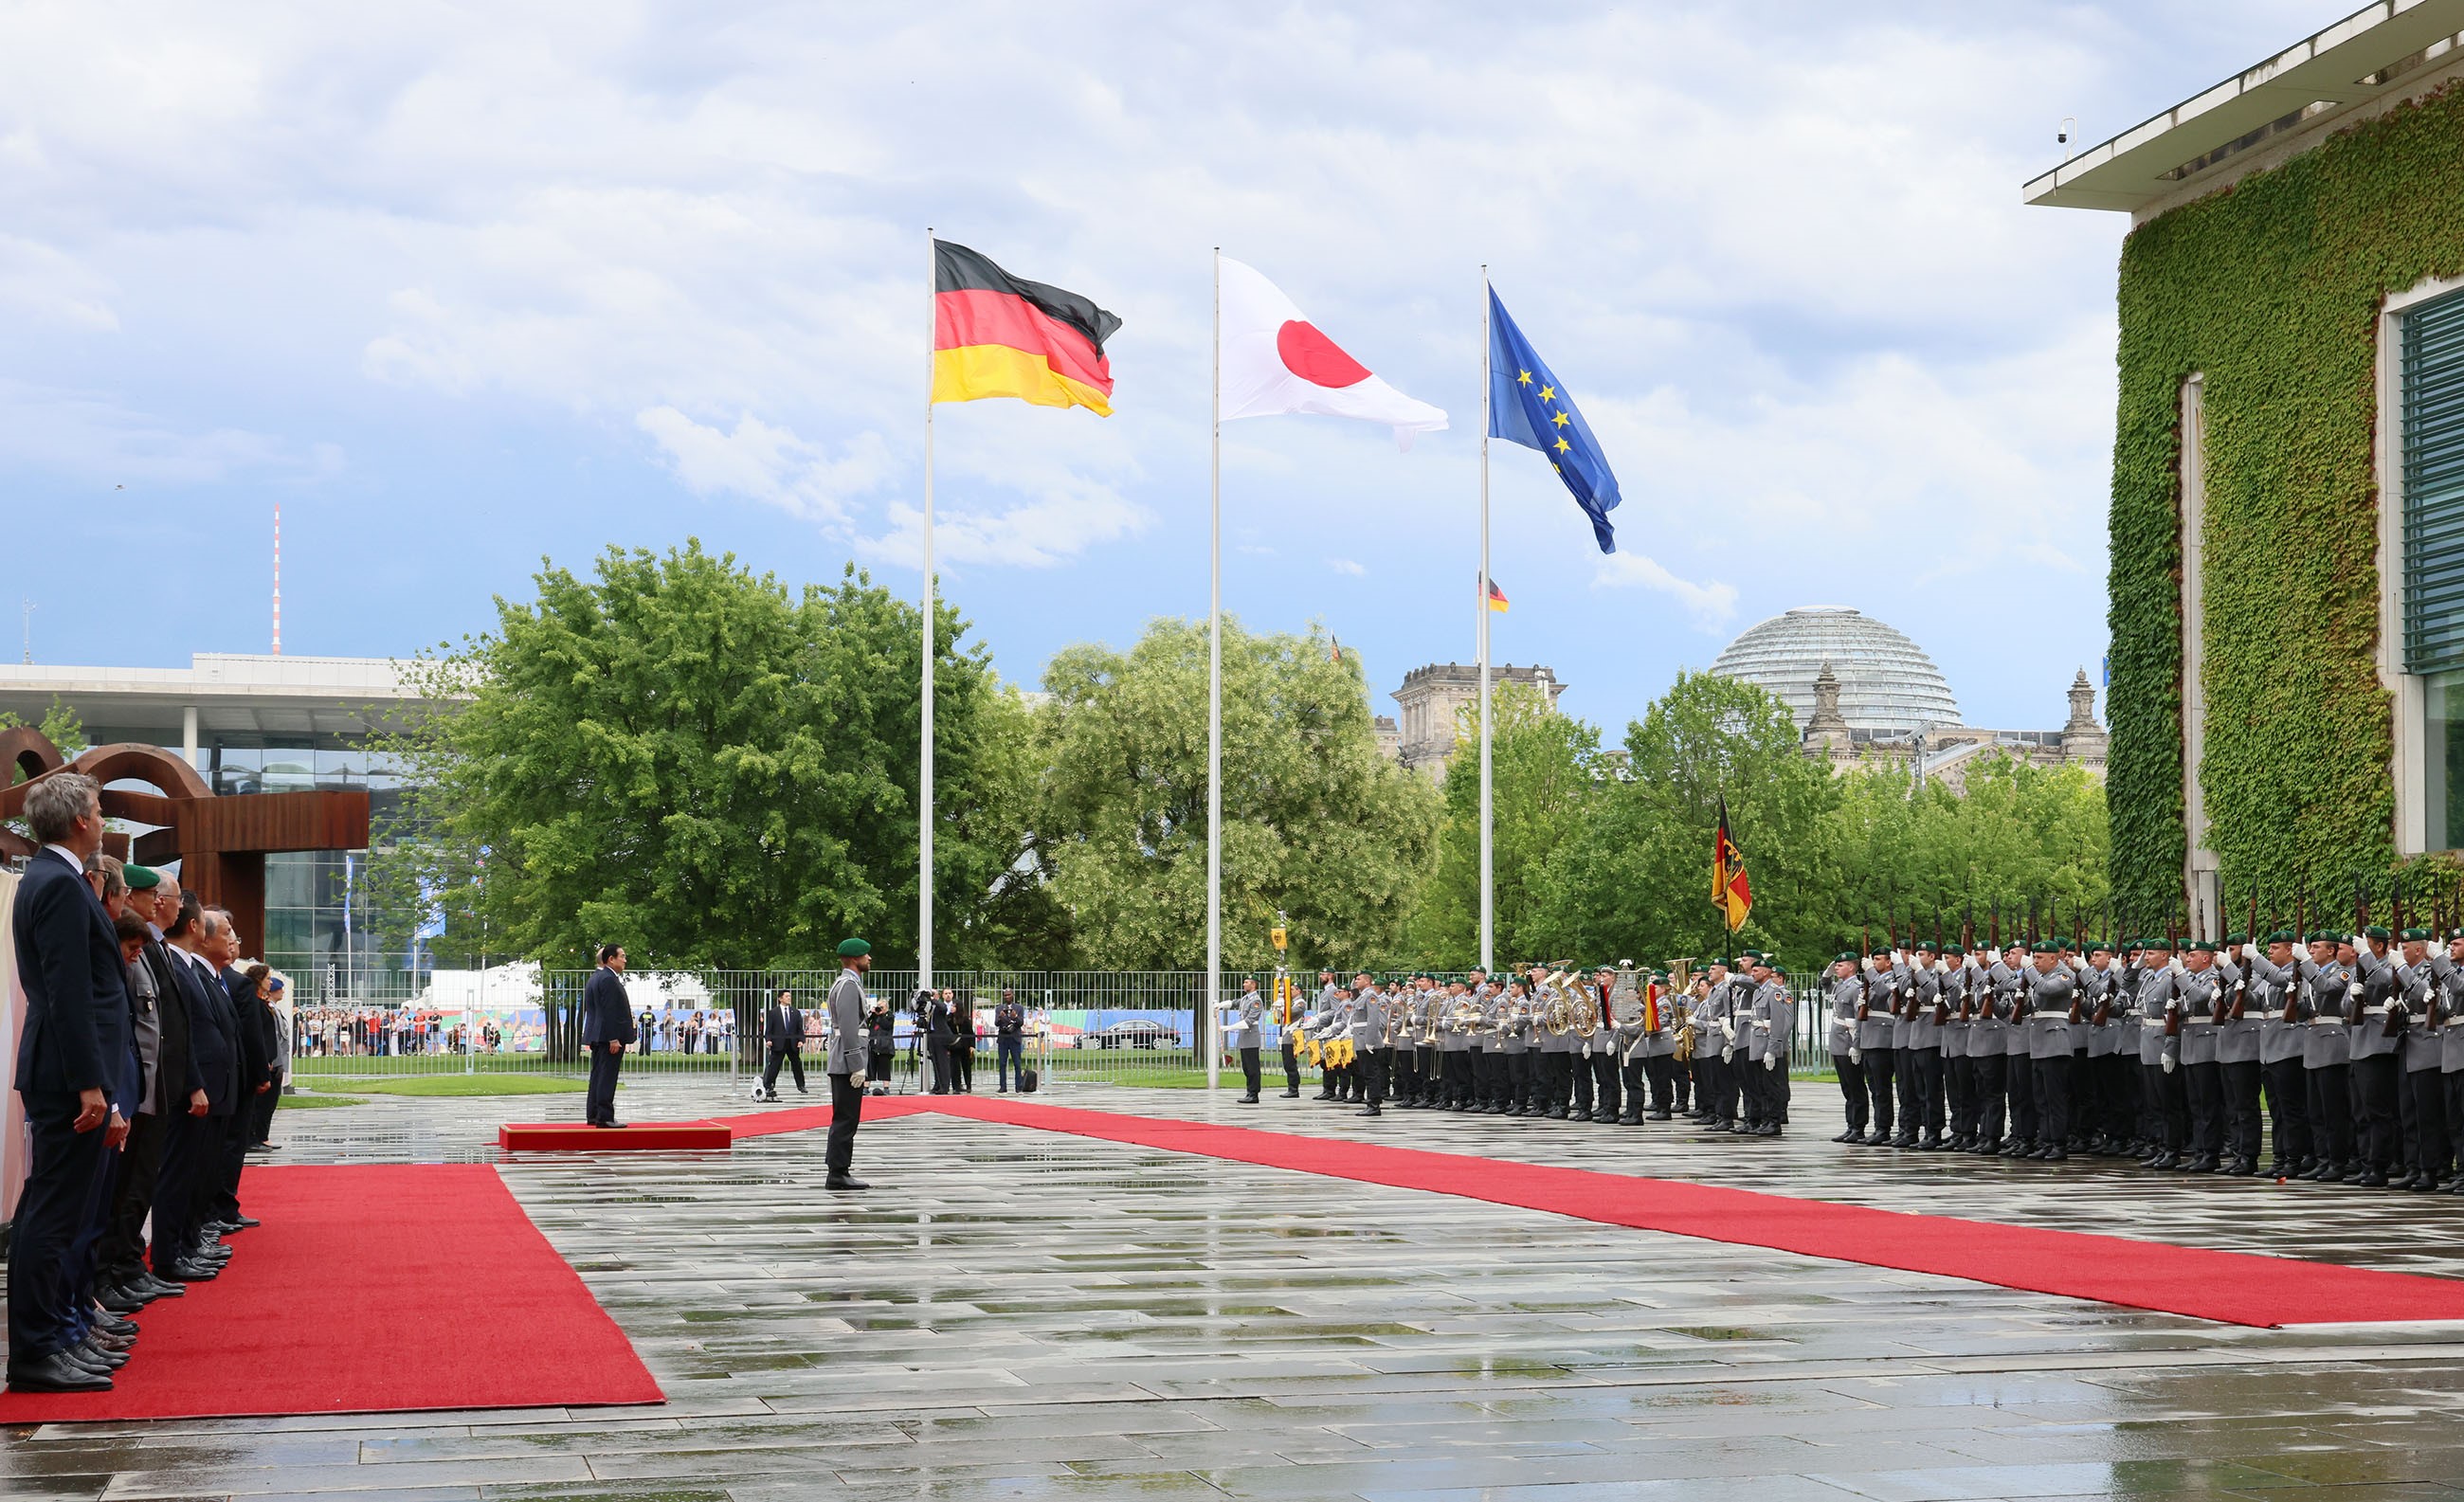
(220, 842)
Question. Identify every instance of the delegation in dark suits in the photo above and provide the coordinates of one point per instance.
(191, 1155)
(783, 1029)
(77, 1038)
(607, 1019)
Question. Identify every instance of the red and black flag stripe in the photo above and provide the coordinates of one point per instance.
(998, 335)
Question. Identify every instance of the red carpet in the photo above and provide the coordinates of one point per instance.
(2229, 1286)
(371, 1289)
(806, 1118)
(639, 1136)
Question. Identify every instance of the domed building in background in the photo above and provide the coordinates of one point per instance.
(1863, 693)
(1887, 684)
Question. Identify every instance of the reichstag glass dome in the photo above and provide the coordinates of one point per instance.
(1887, 681)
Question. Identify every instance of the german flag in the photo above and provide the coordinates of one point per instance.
(996, 335)
(1730, 891)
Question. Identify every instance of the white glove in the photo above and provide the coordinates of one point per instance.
(1770, 1061)
(2250, 953)
(1855, 1054)
(856, 1081)
(1941, 967)
(1899, 956)
(2354, 990)
(2360, 945)
(2169, 1064)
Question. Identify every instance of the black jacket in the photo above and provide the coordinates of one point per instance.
(1009, 1020)
(784, 1025)
(175, 1055)
(214, 1035)
(259, 1051)
(76, 1034)
(606, 1011)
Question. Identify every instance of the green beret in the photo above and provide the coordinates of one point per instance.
(2282, 936)
(2413, 936)
(2322, 937)
(1749, 956)
(1845, 957)
(1926, 946)
(849, 948)
(2203, 946)
(2044, 946)
(2235, 941)
(2377, 931)
(141, 879)
(1954, 947)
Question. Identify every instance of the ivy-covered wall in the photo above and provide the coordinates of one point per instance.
(2270, 290)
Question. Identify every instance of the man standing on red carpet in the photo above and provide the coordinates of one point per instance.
(846, 1062)
(606, 1026)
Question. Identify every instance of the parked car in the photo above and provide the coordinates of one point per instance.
(1136, 1033)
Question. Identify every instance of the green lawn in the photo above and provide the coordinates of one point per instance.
(471, 1085)
(319, 1102)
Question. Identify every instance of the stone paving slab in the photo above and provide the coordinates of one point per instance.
(1018, 1313)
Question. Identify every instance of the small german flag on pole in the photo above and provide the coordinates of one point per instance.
(998, 335)
(1730, 891)
(1496, 598)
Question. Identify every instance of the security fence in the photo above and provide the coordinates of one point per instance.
(1119, 1026)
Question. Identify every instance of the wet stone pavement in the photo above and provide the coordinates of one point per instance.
(1017, 1313)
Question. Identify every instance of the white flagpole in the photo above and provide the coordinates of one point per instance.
(1487, 852)
(1214, 720)
(924, 797)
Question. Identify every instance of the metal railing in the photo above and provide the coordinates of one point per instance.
(1083, 1026)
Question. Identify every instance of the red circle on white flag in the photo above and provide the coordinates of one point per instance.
(1315, 357)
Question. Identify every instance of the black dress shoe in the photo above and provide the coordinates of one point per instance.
(1245, 1100)
(94, 1354)
(54, 1373)
(843, 1182)
(1368, 1111)
(244, 1223)
(121, 1299)
(1290, 1094)
(170, 1287)
(123, 1330)
(195, 1272)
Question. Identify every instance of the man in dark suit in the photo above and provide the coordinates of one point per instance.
(607, 1028)
(187, 1249)
(782, 1027)
(75, 1053)
(257, 1060)
(177, 1089)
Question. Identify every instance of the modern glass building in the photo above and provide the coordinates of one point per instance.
(251, 723)
(1887, 684)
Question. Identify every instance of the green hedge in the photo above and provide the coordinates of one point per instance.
(2270, 290)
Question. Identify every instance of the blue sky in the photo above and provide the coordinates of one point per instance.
(467, 286)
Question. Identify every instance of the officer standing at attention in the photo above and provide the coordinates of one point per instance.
(2202, 1075)
(1959, 1103)
(1370, 1017)
(1248, 1034)
(607, 1027)
(2241, 1028)
(1847, 1057)
(1876, 1033)
(845, 1063)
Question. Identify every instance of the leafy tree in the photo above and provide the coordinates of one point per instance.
(1635, 882)
(1546, 776)
(62, 728)
(679, 756)
(1316, 821)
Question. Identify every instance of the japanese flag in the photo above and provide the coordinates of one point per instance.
(1276, 362)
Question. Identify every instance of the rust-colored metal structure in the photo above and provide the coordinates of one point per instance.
(219, 842)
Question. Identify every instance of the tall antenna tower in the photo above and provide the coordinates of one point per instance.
(277, 578)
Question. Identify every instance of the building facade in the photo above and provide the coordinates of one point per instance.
(1431, 701)
(2287, 522)
(257, 724)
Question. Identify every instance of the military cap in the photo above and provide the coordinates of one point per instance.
(2092, 945)
(141, 879)
(1846, 956)
(1954, 947)
(2322, 937)
(2235, 941)
(2131, 944)
(2414, 936)
(2203, 946)
(849, 948)
(1749, 956)
(1926, 946)
(2046, 947)
(2377, 931)
(2283, 935)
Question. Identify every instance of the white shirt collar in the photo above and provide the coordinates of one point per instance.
(77, 863)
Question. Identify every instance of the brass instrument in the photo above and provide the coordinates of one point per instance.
(1683, 1016)
(1587, 1011)
(1465, 1017)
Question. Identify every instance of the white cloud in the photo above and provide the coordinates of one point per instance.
(1710, 605)
(1345, 566)
(767, 464)
(93, 439)
(1033, 534)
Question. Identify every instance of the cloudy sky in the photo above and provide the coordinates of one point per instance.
(462, 287)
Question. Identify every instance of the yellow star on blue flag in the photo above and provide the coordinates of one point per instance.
(1527, 405)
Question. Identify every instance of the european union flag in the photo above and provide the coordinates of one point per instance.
(1526, 405)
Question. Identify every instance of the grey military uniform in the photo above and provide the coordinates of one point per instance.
(846, 1050)
(2243, 1039)
(2050, 995)
(2326, 1032)
(2199, 990)
(2369, 1021)
(1248, 1025)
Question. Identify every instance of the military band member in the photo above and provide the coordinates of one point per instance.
(1454, 1051)
(1403, 1080)
(1370, 1018)
(1514, 1050)
(1559, 1048)
(1600, 1007)
(1628, 1041)
(1660, 1065)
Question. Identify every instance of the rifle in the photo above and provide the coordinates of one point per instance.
(2301, 922)
(1864, 976)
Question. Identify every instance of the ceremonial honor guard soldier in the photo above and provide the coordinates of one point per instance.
(2318, 1007)
(1988, 1062)
(2160, 1042)
(1513, 1045)
(2240, 1042)
(2274, 981)
(1847, 995)
(1772, 1022)
(1879, 1057)
(1370, 1019)
(846, 1062)
(2428, 1149)
(2447, 1020)
(1659, 1044)
(1921, 1059)
(1248, 1035)
(1951, 1026)
(2199, 986)
(2053, 1007)
(2378, 1065)
(1599, 1009)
